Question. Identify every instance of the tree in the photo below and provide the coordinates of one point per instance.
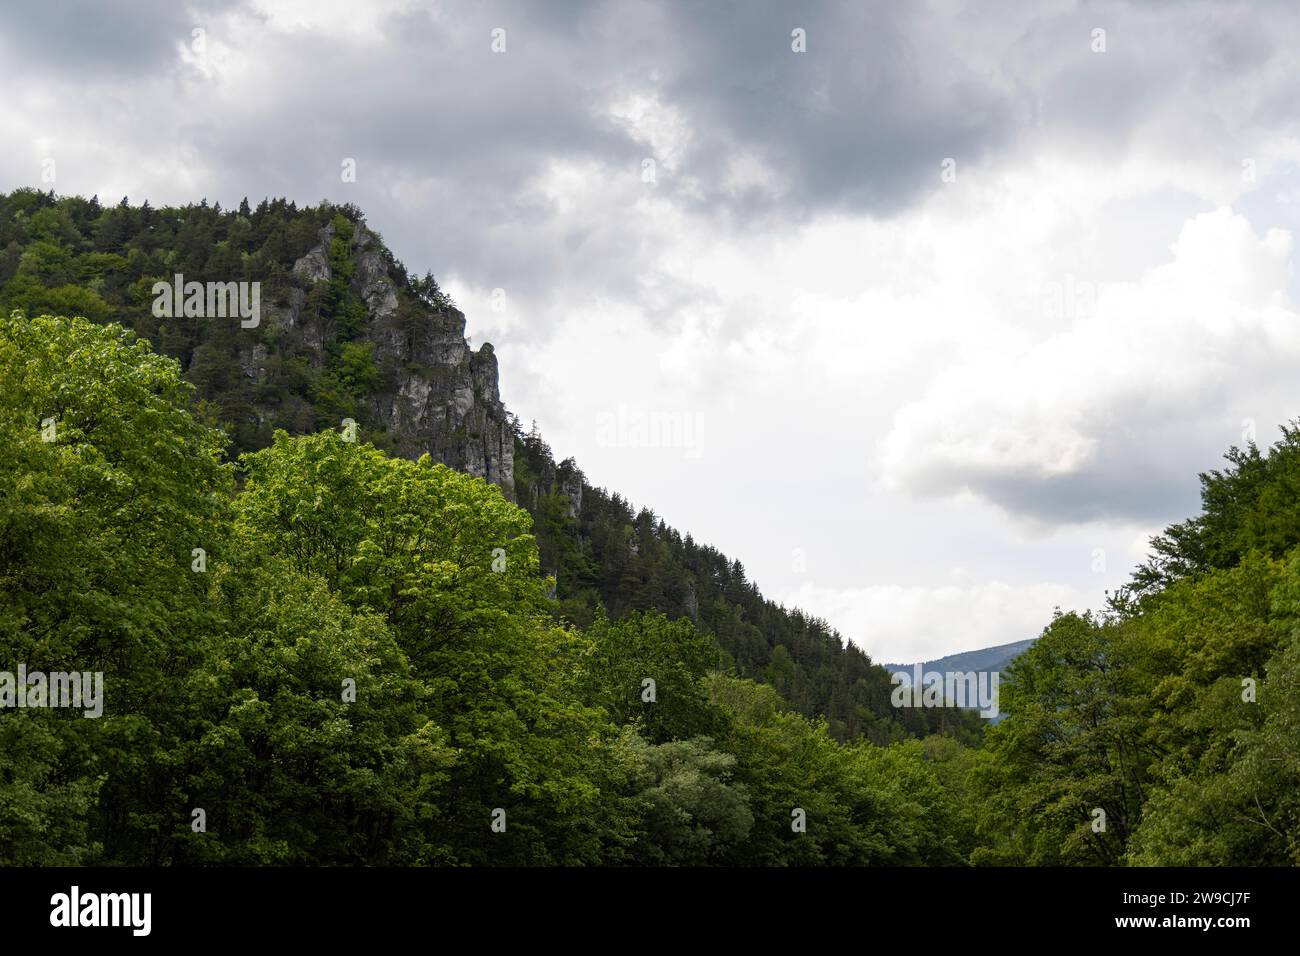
(314, 747)
(111, 485)
(449, 565)
(1072, 745)
(647, 671)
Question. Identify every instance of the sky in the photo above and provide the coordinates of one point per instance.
(929, 314)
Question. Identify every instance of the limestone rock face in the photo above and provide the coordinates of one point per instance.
(315, 265)
(374, 284)
(437, 394)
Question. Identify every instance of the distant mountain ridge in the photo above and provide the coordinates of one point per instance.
(983, 659)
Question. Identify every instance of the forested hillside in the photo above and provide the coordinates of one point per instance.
(322, 654)
(605, 554)
(347, 332)
(320, 648)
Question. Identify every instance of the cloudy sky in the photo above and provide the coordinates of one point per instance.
(938, 308)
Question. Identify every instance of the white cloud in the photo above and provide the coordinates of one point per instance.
(363, 22)
(663, 129)
(1078, 423)
(898, 624)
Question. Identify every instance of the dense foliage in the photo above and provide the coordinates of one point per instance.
(1176, 712)
(315, 652)
(365, 666)
(72, 256)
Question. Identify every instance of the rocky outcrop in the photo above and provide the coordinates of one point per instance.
(373, 283)
(571, 480)
(437, 395)
(315, 265)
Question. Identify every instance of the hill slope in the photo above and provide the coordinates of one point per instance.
(346, 332)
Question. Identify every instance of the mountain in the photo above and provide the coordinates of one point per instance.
(343, 331)
(984, 659)
(346, 333)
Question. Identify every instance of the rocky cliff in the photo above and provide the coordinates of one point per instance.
(434, 393)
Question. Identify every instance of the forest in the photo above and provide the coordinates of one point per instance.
(72, 256)
(315, 651)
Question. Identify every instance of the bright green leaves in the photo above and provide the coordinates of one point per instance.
(690, 810)
(443, 556)
(1072, 744)
(100, 521)
(1249, 506)
(450, 567)
(1157, 737)
(647, 671)
(110, 485)
(313, 743)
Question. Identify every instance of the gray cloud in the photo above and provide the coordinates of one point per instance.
(87, 40)
(450, 137)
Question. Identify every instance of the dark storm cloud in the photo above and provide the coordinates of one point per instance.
(450, 138)
(861, 121)
(89, 38)
(1153, 495)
